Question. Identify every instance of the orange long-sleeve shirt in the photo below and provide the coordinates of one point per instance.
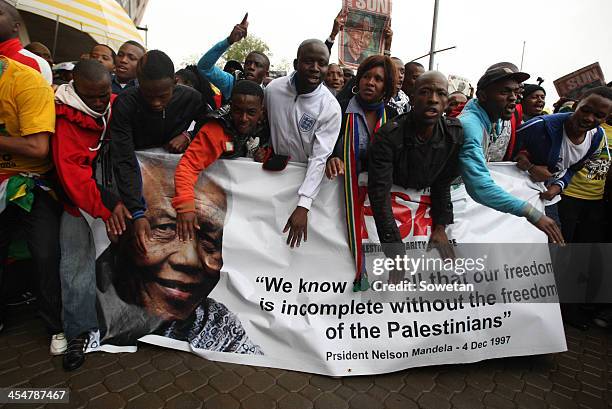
(207, 146)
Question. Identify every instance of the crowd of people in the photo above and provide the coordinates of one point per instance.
(67, 148)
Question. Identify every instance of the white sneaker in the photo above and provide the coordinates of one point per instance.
(58, 344)
(604, 318)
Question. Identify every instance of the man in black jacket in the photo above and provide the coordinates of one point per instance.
(416, 150)
(156, 113)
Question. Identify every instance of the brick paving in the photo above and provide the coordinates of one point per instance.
(155, 378)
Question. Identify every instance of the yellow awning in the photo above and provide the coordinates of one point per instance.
(105, 20)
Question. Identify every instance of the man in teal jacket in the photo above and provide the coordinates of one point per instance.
(256, 64)
(486, 140)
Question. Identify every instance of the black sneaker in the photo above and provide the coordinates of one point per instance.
(75, 353)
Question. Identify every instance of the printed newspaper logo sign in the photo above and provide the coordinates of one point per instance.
(362, 35)
(573, 85)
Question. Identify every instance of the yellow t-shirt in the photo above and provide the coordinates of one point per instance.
(26, 107)
(590, 181)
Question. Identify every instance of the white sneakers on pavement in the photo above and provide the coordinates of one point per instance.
(58, 344)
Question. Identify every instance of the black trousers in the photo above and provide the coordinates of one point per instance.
(41, 226)
(582, 221)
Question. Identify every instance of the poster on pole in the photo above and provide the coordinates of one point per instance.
(362, 35)
(573, 85)
(239, 294)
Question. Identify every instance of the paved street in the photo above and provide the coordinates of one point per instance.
(155, 378)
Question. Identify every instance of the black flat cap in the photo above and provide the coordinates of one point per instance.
(501, 71)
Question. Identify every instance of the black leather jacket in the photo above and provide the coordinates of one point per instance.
(396, 156)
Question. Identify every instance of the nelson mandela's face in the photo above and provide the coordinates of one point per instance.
(177, 276)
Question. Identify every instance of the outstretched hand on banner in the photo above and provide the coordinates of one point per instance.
(186, 225)
(540, 173)
(116, 224)
(536, 173)
(439, 241)
(297, 226)
(178, 144)
(551, 192)
(142, 231)
(549, 226)
(259, 155)
(239, 31)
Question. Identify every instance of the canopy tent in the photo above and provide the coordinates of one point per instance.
(103, 21)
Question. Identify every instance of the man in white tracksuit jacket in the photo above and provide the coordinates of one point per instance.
(304, 120)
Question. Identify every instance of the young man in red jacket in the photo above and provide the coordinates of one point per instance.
(83, 109)
(226, 135)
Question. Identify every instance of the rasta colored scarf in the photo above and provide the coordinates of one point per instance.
(355, 195)
(19, 190)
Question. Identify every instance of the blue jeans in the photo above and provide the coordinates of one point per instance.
(78, 275)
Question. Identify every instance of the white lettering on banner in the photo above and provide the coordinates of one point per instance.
(295, 309)
(373, 6)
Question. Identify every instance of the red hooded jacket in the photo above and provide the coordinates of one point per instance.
(75, 133)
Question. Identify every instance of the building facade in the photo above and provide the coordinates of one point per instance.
(134, 8)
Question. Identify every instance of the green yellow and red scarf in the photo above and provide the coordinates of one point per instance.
(355, 195)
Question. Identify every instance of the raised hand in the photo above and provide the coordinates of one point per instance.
(388, 36)
(239, 31)
(339, 22)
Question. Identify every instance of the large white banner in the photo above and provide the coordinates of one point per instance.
(239, 294)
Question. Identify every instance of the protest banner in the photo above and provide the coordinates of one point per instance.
(239, 294)
(573, 85)
(362, 35)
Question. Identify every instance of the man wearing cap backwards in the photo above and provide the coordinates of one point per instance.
(62, 73)
(486, 140)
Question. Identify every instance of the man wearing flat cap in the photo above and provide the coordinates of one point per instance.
(487, 140)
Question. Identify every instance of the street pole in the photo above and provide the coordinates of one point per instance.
(435, 52)
(146, 30)
(57, 18)
(433, 35)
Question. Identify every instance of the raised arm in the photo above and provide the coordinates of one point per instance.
(336, 28)
(221, 79)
